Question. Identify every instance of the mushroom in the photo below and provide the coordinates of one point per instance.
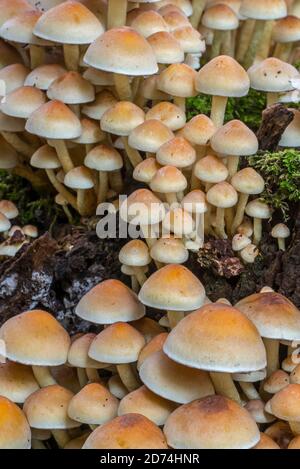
(9, 209)
(146, 170)
(166, 48)
(195, 203)
(80, 179)
(17, 381)
(13, 77)
(149, 22)
(285, 406)
(169, 250)
(169, 181)
(154, 345)
(259, 211)
(178, 80)
(135, 254)
(116, 387)
(222, 20)
(266, 442)
(278, 380)
(205, 332)
(280, 232)
(221, 195)
(149, 136)
(249, 253)
(290, 137)
(256, 407)
(240, 241)
(70, 24)
(174, 289)
(286, 33)
(42, 77)
(169, 114)
(15, 430)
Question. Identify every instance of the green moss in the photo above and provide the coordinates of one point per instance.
(247, 109)
(281, 171)
(34, 208)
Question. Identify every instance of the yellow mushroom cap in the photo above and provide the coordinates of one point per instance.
(14, 428)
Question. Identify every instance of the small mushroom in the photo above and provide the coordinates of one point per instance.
(280, 232)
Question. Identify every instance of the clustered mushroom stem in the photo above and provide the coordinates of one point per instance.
(37, 56)
(216, 45)
(227, 47)
(83, 204)
(37, 444)
(23, 54)
(61, 188)
(72, 56)
(93, 375)
(18, 144)
(218, 108)
(103, 187)
(116, 14)
(249, 390)
(140, 276)
(76, 109)
(232, 165)
(283, 51)
(240, 210)
(272, 98)
(244, 39)
(63, 154)
(128, 376)
(135, 86)
(180, 102)
(171, 198)
(257, 230)
(123, 87)
(263, 50)
(174, 318)
(220, 223)
(26, 173)
(255, 41)
(198, 8)
(225, 386)
(43, 376)
(135, 286)
(82, 378)
(272, 350)
(116, 181)
(133, 155)
(229, 216)
(281, 244)
(61, 437)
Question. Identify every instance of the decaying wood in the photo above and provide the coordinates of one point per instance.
(275, 120)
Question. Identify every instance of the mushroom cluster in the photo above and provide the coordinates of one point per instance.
(222, 377)
(93, 93)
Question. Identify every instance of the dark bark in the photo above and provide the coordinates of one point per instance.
(275, 120)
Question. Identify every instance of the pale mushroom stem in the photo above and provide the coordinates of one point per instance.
(43, 376)
(229, 216)
(82, 378)
(220, 223)
(135, 286)
(232, 165)
(180, 102)
(240, 210)
(225, 386)
(18, 144)
(72, 56)
(217, 43)
(37, 444)
(103, 187)
(198, 8)
(62, 153)
(135, 86)
(281, 244)
(200, 152)
(272, 98)
(218, 108)
(171, 198)
(174, 318)
(149, 240)
(123, 87)
(244, 39)
(128, 376)
(140, 276)
(116, 181)
(93, 375)
(61, 437)
(249, 390)
(227, 44)
(83, 204)
(26, 173)
(283, 51)
(272, 350)
(133, 155)
(254, 43)
(264, 48)
(37, 56)
(76, 109)
(61, 188)
(295, 427)
(116, 13)
(257, 230)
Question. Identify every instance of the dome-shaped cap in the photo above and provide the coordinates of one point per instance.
(45, 158)
(217, 337)
(43, 341)
(211, 169)
(71, 88)
(248, 181)
(9, 209)
(122, 118)
(104, 101)
(213, 422)
(166, 48)
(108, 302)
(222, 195)
(274, 315)
(48, 408)
(178, 80)
(42, 76)
(78, 353)
(223, 76)
(19, 28)
(145, 170)
(4, 223)
(90, 132)
(176, 152)
(149, 136)
(169, 251)
(93, 405)
(258, 209)
(169, 114)
(234, 138)
(22, 102)
(263, 9)
(79, 178)
(199, 130)
(69, 23)
(14, 429)
(168, 179)
(117, 343)
(154, 345)
(173, 381)
(123, 51)
(194, 202)
(17, 381)
(149, 22)
(11, 8)
(130, 431)
(142, 207)
(190, 40)
(272, 75)
(291, 135)
(280, 230)
(287, 30)
(175, 19)
(135, 253)
(173, 287)
(103, 158)
(285, 404)
(220, 17)
(54, 120)
(13, 76)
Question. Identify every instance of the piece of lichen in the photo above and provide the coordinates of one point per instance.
(281, 171)
(247, 109)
